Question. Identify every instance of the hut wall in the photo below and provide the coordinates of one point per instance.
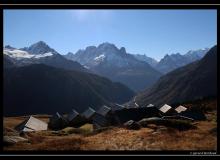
(136, 114)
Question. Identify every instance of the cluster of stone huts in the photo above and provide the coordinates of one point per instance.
(108, 116)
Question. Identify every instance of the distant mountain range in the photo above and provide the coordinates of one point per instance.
(116, 64)
(135, 71)
(147, 59)
(37, 79)
(39, 53)
(173, 61)
(193, 81)
(42, 89)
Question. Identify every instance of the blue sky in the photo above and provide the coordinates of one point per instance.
(151, 32)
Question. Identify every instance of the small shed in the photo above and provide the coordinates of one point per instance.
(116, 107)
(72, 115)
(136, 114)
(102, 117)
(194, 114)
(166, 110)
(100, 121)
(75, 119)
(57, 122)
(180, 109)
(31, 124)
(89, 113)
(104, 110)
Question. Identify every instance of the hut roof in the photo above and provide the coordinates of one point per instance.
(58, 115)
(150, 105)
(180, 109)
(116, 107)
(196, 115)
(25, 129)
(104, 110)
(32, 124)
(72, 115)
(178, 117)
(100, 121)
(165, 108)
(88, 113)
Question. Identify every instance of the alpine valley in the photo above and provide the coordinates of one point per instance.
(194, 81)
(116, 64)
(37, 79)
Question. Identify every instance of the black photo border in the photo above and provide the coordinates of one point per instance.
(110, 6)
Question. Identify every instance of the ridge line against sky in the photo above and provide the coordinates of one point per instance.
(150, 32)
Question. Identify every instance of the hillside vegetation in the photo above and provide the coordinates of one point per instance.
(152, 137)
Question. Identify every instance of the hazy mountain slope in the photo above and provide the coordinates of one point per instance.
(174, 61)
(193, 81)
(147, 59)
(7, 62)
(42, 89)
(194, 55)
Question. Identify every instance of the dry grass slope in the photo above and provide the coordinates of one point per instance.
(203, 137)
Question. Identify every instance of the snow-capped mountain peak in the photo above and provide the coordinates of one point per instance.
(9, 47)
(200, 52)
(89, 48)
(106, 45)
(123, 50)
(116, 64)
(173, 61)
(40, 53)
(39, 48)
(35, 51)
(99, 59)
(147, 59)
(16, 53)
(20, 54)
(70, 54)
(93, 56)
